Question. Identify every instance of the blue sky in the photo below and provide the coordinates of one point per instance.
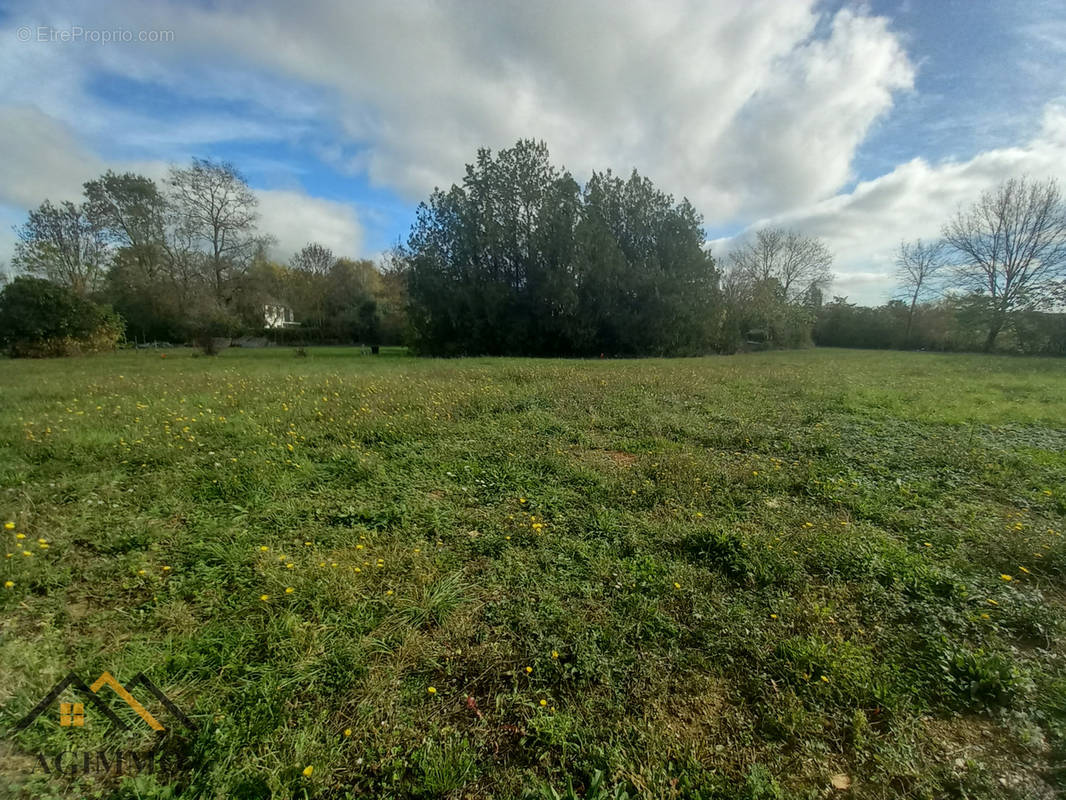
(863, 123)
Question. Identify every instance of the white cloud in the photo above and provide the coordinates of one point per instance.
(864, 226)
(42, 159)
(745, 106)
(296, 219)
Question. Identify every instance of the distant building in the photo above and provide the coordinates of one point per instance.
(276, 315)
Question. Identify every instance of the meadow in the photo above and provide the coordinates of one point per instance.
(775, 575)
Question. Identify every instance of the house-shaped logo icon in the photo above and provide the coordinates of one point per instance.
(73, 714)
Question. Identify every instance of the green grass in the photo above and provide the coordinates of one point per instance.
(732, 577)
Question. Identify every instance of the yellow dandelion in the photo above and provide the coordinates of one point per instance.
(288, 565)
(555, 653)
(264, 597)
(20, 536)
(289, 590)
(985, 616)
(9, 526)
(773, 616)
(825, 679)
(308, 770)
(992, 602)
(528, 670)
(432, 690)
(389, 592)
(1006, 577)
(677, 585)
(264, 548)
(347, 731)
(8, 584)
(1023, 569)
(543, 702)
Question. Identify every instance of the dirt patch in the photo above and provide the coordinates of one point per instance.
(618, 459)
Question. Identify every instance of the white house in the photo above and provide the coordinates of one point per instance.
(276, 315)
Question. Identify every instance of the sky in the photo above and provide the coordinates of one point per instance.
(862, 123)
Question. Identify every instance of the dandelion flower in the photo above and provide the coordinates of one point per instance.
(264, 597)
(432, 690)
(543, 702)
(347, 731)
(1006, 577)
(773, 616)
(308, 770)
(528, 670)
(677, 585)
(555, 653)
(825, 679)
(20, 536)
(8, 584)
(264, 548)
(389, 592)
(289, 590)
(1023, 569)
(9, 526)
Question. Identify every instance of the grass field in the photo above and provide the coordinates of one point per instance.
(735, 577)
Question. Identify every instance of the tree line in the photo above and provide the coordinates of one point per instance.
(995, 277)
(520, 258)
(184, 260)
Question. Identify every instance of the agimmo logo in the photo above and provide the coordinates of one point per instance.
(73, 715)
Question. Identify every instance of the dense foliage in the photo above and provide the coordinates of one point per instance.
(41, 318)
(521, 259)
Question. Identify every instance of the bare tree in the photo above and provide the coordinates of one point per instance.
(217, 212)
(1012, 248)
(61, 243)
(917, 264)
(799, 263)
(314, 258)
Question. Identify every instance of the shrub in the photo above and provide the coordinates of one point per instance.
(39, 318)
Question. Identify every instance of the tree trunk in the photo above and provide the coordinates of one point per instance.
(993, 332)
